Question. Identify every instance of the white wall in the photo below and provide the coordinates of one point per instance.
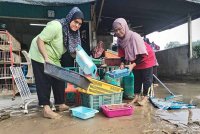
(175, 64)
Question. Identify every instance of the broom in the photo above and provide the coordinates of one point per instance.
(172, 96)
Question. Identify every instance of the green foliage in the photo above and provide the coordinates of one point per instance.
(2, 26)
(196, 49)
(196, 43)
(172, 44)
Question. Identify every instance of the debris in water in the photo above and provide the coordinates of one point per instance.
(4, 115)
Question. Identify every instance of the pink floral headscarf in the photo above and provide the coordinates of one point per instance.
(98, 50)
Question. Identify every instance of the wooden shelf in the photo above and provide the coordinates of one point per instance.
(7, 48)
(8, 62)
(8, 77)
(10, 50)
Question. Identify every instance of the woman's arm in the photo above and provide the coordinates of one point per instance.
(47, 35)
(138, 60)
(42, 49)
(121, 54)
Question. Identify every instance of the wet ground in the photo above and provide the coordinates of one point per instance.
(146, 119)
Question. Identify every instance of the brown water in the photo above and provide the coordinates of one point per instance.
(146, 119)
(186, 118)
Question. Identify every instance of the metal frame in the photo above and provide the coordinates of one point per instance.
(23, 88)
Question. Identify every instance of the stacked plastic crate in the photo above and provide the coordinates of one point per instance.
(100, 93)
(112, 58)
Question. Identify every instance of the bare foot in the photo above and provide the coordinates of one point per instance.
(62, 107)
(143, 101)
(48, 113)
(136, 98)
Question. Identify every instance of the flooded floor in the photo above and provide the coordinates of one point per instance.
(146, 119)
(190, 91)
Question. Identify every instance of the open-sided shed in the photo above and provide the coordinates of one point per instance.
(144, 16)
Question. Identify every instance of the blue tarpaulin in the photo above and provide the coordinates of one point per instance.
(165, 105)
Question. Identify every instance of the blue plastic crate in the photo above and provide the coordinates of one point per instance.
(118, 73)
(85, 62)
(83, 112)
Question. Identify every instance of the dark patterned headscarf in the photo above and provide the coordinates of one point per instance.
(71, 38)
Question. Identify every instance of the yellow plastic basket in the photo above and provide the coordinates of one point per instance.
(99, 87)
(103, 85)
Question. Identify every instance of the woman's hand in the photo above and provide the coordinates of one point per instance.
(131, 66)
(122, 66)
(46, 59)
(73, 54)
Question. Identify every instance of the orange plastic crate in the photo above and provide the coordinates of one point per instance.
(111, 54)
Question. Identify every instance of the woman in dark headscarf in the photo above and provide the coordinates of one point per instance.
(55, 39)
(138, 55)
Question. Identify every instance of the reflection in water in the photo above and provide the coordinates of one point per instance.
(188, 119)
(195, 115)
(179, 117)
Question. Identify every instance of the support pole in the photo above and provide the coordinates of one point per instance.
(189, 37)
(102, 3)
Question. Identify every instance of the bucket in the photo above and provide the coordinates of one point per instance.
(128, 85)
(85, 62)
(111, 80)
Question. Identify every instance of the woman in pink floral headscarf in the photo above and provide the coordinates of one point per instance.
(98, 51)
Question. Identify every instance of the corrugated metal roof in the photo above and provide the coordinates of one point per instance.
(48, 2)
(195, 1)
(146, 16)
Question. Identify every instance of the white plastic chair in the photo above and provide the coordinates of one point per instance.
(29, 76)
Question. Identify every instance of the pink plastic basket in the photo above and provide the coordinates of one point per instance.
(116, 110)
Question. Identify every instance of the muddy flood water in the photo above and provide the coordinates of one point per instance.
(145, 119)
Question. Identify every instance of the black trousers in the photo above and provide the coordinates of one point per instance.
(44, 84)
(145, 77)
